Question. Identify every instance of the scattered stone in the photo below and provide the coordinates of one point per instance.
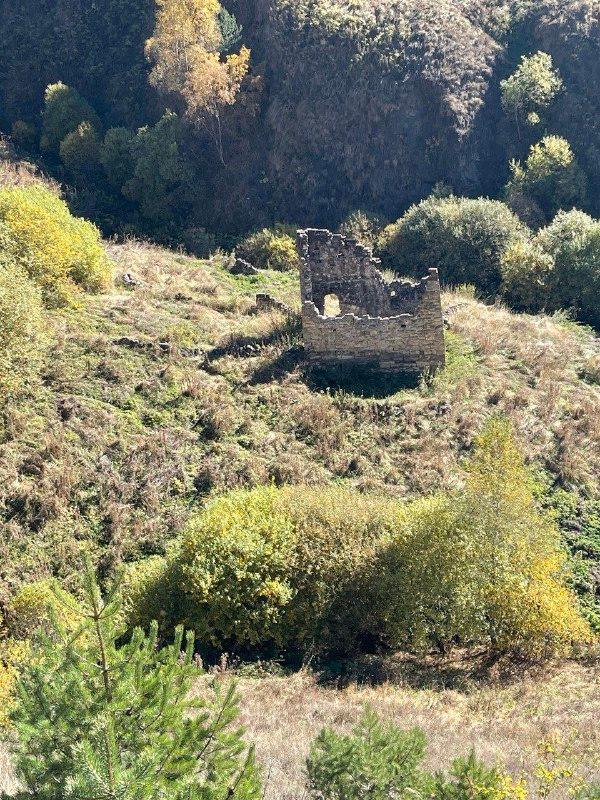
(241, 267)
(266, 302)
(133, 344)
(130, 281)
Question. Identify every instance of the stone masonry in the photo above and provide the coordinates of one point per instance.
(387, 327)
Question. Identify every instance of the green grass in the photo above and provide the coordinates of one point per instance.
(151, 399)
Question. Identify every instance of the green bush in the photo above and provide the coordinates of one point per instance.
(531, 88)
(527, 276)
(550, 180)
(381, 761)
(465, 239)
(363, 226)
(558, 269)
(159, 169)
(199, 241)
(36, 606)
(61, 253)
(271, 565)
(80, 149)
(21, 327)
(148, 593)
(377, 760)
(572, 240)
(269, 249)
(64, 110)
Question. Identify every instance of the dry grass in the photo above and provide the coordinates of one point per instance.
(503, 720)
(504, 723)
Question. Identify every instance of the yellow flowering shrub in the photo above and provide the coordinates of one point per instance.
(62, 253)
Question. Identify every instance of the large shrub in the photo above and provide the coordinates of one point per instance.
(21, 326)
(328, 569)
(269, 249)
(64, 110)
(558, 269)
(160, 173)
(550, 180)
(270, 565)
(531, 88)
(486, 566)
(60, 252)
(527, 276)
(465, 239)
(572, 240)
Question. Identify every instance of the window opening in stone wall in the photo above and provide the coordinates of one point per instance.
(331, 306)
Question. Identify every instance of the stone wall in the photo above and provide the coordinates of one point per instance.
(391, 327)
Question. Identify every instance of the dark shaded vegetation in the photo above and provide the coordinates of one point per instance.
(344, 107)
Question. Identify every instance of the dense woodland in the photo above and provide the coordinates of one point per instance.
(343, 106)
(404, 574)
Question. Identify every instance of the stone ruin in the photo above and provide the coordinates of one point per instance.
(352, 317)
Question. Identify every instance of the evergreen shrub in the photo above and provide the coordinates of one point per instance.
(381, 761)
(98, 719)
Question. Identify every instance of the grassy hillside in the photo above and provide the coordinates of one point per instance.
(153, 397)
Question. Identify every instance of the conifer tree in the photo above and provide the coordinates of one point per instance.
(97, 721)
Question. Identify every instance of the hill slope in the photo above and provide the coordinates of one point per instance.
(155, 396)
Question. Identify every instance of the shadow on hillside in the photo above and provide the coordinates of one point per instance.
(243, 346)
(282, 365)
(360, 382)
(462, 671)
(357, 381)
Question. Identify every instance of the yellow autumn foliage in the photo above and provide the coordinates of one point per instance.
(31, 609)
(61, 253)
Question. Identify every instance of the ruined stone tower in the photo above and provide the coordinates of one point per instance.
(387, 327)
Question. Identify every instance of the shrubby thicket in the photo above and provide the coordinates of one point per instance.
(465, 239)
(61, 253)
(306, 569)
(484, 243)
(269, 249)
